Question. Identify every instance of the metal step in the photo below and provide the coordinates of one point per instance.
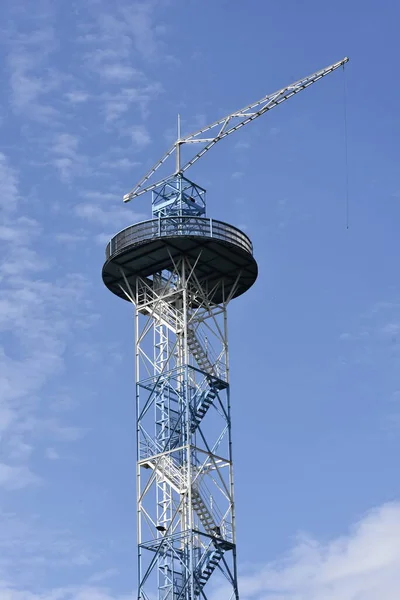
(203, 513)
(166, 467)
(171, 317)
(202, 407)
(207, 569)
(199, 354)
(175, 426)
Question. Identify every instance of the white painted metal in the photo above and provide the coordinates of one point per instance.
(225, 126)
(184, 476)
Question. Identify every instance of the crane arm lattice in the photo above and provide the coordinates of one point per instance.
(227, 125)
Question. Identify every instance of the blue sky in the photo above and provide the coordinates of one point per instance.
(90, 93)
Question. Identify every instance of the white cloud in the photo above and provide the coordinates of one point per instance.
(19, 230)
(29, 547)
(241, 146)
(113, 218)
(112, 63)
(139, 19)
(130, 28)
(70, 238)
(65, 167)
(140, 136)
(18, 449)
(9, 185)
(102, 575)
(67, 593)
(66, 144)
(57, 431)
(16, 477)
(120, 73)
(20, 260)
(77, 96)
(99, 215)
(122, 163)
(114, 44)
(362, 565)
(100, 196)
(118, 104)
(391, 329)
(66, 157)
(35, 320)
(52, 454)
(102, 239)
(30, 83)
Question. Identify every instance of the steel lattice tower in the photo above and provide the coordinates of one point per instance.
(180, 270)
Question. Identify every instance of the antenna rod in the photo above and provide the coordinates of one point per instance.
(178, 147)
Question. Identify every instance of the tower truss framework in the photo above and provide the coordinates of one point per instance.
(180, 272)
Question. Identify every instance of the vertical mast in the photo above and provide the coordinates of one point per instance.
(178, 147)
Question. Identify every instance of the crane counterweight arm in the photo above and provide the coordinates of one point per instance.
(228, 125)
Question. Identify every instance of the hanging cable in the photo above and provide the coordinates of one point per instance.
(346, 154)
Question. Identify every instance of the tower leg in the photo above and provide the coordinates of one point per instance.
(185, 491)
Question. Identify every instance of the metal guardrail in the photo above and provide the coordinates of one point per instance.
(177, 226)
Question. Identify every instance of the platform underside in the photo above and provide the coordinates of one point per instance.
(223, 268)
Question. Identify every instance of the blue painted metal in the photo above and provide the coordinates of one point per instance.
(167, 268)
(180, 270)
(178, 196)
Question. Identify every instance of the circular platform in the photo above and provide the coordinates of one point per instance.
(223, 254)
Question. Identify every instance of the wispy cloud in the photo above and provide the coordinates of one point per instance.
(130, 30)
(97, 196)
(364, 564)
(9, 186)
(70, 238)
(66, 157)
(16, 477)
(29, 548)
(105, 209)
(52, 454)
(31, 80)
(33, 315)
(372, 343)
(103, 575)
(121, 163)
(377, 327)
(66, 144)
(112, 65)
(77, 96)
(140, 136)
(116, 105)
(84, 592)
(116, 45)
(241, 146)
(139, 19)
(112, 218)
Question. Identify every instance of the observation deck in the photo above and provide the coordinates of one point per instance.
(221, 253)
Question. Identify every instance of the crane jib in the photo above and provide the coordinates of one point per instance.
(238, 118)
